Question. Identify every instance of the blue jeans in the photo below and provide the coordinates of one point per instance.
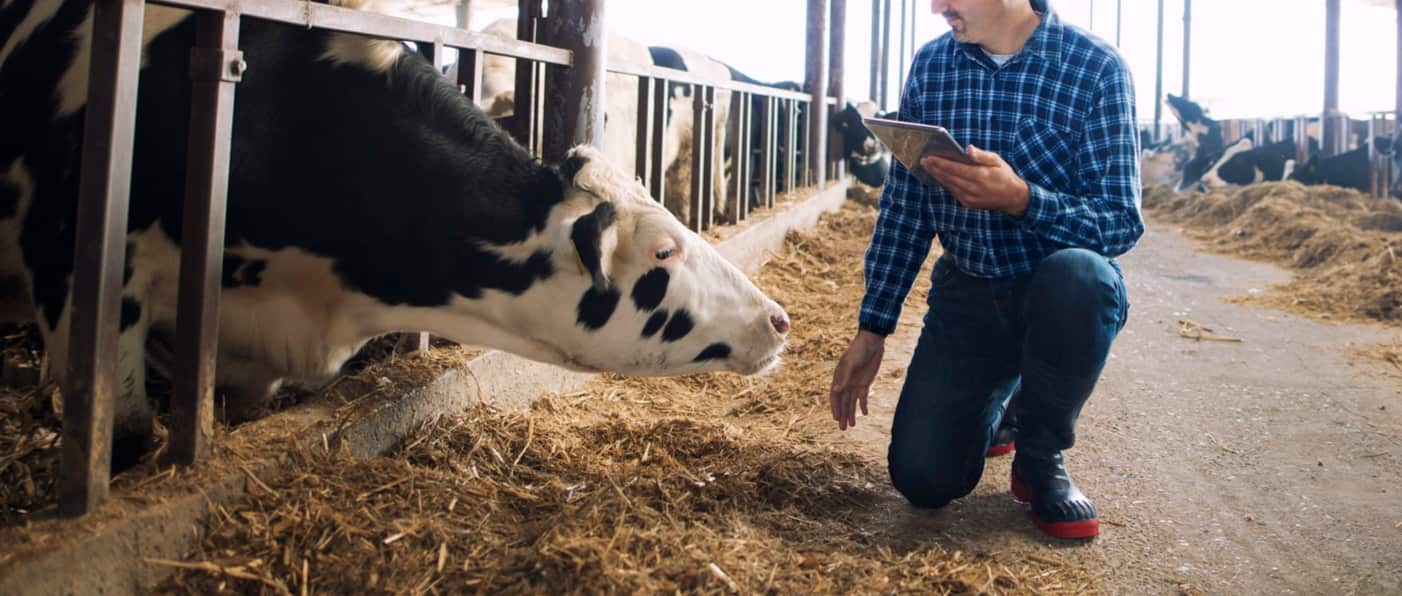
(1049, 331)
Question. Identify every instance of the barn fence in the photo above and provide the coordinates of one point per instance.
(217, 66)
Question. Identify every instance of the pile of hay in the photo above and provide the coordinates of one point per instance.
(706, 483)
(1341, 243)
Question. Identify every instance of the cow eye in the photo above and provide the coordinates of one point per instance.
(665, 253)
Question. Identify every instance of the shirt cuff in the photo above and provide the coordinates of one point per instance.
(876, 324)
(1042, 207)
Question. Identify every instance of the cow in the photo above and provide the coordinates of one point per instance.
(1204, 135)
(681, 116)
(1267, 163)
(366, 195)
(1351, 169)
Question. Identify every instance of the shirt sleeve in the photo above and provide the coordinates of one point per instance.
(901, 240)
(1106, 219)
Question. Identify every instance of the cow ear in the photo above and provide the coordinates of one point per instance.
(593, 242)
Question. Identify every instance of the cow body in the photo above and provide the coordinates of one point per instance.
(366, 196)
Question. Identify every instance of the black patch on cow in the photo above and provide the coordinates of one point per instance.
(678, 327)
(667, 57)
(9, 200)
(654, 323)
(715, 351)
(596, 307)
(131, 312)
(239, 271)
(588, 235)
(651, 288)
(571, 167)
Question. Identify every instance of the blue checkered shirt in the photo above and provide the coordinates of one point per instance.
(1061, 113)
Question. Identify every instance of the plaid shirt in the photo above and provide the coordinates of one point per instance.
(1061, 113)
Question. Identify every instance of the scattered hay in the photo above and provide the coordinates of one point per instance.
(1387, 353)
(1342, 244)
(864, 195)
(706, 483)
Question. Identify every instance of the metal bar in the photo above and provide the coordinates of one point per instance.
(1333, 142)
(526, 77)
(712, 166)
(769, 152)
(577, 92)
(736, 145)
(104, 188)
(1187, 44)
(1119, 20)
(837, 44)
(818, 85)
(216, 66)
(885, 54)
(900, 39)
(646, 110)
(658, 140)
(747, 156)
(791, 146)
(1397, 105)
(1302, 144)
(698, 157)
(874, 78)
(348, 20)
(470, 73)
(684, 77)
(1158, 79)
(1090, 26)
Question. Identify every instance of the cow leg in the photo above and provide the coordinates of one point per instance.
(132, 415)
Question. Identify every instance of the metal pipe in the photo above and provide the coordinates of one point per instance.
(837, 43)
(885, 54)
(817, 85)
(577, 93)
(1158, 78)
(1119, 19)
(1187, 44)
(1333, 142)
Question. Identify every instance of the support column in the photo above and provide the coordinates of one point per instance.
(817, 85)
(577, 92)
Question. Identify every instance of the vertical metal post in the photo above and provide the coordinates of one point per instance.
(885, 54)
(526, 76)
(1119, 20)
(1187, 44)
(1090, 24)
(875, 81)
(576, 93)
(837, 44)
(464, 15)
(1333, 141)
(216, 65)
(900, 40)
(642, 166)
(791, 145)
(817, 86)
(470, 74)
(770, 151)
(740, 147)
(1302, 140)
(658, 141)
(702, 157)
(1158, 79)
(105, 183)
(1397, 100)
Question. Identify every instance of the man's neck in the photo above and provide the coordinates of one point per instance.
(1022, 22)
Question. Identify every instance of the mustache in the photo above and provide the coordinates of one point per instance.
(950, 14)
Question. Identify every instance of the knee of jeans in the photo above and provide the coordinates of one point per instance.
(1075, 276)
(929, 488)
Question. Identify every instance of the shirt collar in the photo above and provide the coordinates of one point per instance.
(1045, 43)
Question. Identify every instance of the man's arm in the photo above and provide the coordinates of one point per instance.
(1106, 219)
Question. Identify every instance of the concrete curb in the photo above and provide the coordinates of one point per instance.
(109, 560)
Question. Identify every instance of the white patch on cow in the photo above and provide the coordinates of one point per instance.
(14, 286)
(38, 14)
(1289, 169)
(73, 87)
(1211, 179)
(375, 54)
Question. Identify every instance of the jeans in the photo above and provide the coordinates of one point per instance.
(1048, 331)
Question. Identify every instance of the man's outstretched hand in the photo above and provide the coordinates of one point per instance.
(852, 380)
(991, 185)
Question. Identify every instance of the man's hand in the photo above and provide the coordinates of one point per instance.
(992, 185)
(853, 378)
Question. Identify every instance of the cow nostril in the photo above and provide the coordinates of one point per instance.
(780, 323)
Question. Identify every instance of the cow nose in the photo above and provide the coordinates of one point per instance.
(869, 146)
(780, 323)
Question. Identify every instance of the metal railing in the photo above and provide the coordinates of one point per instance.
(217, 65)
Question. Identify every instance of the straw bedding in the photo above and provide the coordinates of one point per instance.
(707, 483)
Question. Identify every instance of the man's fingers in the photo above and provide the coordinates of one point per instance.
(864, 405)
(984, 158)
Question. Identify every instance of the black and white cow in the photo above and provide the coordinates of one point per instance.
(1267, 163)
(1351, 169)
(366, 196)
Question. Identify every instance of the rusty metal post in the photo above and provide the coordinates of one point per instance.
(817, 85)
(1334, 141)
(216, 66)
(89, 382)
(576, 94)
(527, 81)
(837, 45)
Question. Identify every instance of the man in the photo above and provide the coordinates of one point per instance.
(1027, 297)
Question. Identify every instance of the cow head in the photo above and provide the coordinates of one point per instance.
(868, 160)
(633, 290)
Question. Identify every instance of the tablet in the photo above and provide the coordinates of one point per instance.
(910, 141)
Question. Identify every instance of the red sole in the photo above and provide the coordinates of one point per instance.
(1076, 529)
(1000, 450)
